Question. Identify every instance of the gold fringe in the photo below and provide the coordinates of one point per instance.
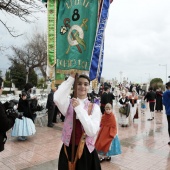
(72, 71)
(94, 83)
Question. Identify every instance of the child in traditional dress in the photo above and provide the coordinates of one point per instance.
(143, 106)
(107, 143)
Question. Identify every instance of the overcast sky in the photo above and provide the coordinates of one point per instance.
(137, 39)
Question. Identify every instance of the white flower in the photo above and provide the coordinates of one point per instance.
(63, 30)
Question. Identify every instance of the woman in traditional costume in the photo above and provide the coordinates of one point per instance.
(159, 105)
(124, 109)
(23, 127)
(133, 98)
(88, 117)
(107, 143)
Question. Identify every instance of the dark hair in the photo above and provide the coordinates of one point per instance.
(1, 80)
(85, 77)
(106, 88)
(167, 85)
(24, 94)
(151, 88)
(28, 86)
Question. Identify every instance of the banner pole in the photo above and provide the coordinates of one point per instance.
(74, 120)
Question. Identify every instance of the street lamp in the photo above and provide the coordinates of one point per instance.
(165, 70)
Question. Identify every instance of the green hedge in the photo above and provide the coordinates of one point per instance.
(7, 92)
(7, 84)
(39, 85)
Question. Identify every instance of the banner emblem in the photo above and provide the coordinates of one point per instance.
(76, 30)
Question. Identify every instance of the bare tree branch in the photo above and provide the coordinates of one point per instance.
(8, 3)
(23, 9)
(10, 30)
(33, 55)
(2, 48)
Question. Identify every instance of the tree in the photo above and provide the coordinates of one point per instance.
(41, 83)
(18, 76)
(2, 48)
(7, 81)
(33, 78)
(156, 83)
(7, 76)
(23, 9)
(33, 55)
(0, 73)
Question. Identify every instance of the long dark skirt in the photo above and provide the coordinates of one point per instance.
(88, 161)
(159, 105)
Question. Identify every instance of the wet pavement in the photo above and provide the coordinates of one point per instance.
(144, 147)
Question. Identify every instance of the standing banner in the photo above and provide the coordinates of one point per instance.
(76, 31)
(51, 44)
(76, 36)
(52, 6)
(98, 46)
(56, 78)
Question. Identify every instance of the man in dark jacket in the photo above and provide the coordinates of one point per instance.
(51, 107)
(166, 103)
(111, 97)
(151, 98)
(6, 121)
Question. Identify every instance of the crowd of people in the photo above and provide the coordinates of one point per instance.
(95, 125)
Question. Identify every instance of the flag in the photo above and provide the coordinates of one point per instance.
(97, 55)
(75, 36)
(100, 66)
(52, 19)
(76, 30)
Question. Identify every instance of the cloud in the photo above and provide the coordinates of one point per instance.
(137, 39)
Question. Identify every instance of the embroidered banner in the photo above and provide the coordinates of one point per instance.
(55, 78)
(97, 50)
(51, 45)
(76, 30)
